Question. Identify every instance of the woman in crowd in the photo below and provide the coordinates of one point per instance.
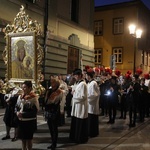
(93, 104)
(27, 107)
(10, 117)
(79, 119)
(52, 110)
(63, 86)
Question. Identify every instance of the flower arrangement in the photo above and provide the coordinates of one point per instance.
(39, 89)
(7, 87)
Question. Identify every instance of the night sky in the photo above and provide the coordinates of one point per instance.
(106, 2)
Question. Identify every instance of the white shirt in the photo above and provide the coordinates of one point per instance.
(79, 101)
(93, 97)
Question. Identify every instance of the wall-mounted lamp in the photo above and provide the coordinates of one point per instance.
(137, 33)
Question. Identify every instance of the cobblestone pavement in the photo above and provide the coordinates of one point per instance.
(116, 136)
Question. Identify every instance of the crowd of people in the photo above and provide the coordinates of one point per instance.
(21, 110)
(83, 96)
(128, 93)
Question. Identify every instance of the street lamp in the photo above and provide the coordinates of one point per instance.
(137, 33)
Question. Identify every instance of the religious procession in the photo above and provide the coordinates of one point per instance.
(44, 73)
(83, 96)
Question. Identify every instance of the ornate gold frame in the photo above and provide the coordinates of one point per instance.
(21, 28)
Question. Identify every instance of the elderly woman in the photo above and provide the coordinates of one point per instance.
(27, 107)
(52, 110)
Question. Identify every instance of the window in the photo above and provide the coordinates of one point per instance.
(73, 59)
(98, 27)
(118, 26)
(75, 10)
(118, 53)
(98, 57)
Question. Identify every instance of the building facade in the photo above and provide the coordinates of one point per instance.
(111, 36)
(67, 27)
